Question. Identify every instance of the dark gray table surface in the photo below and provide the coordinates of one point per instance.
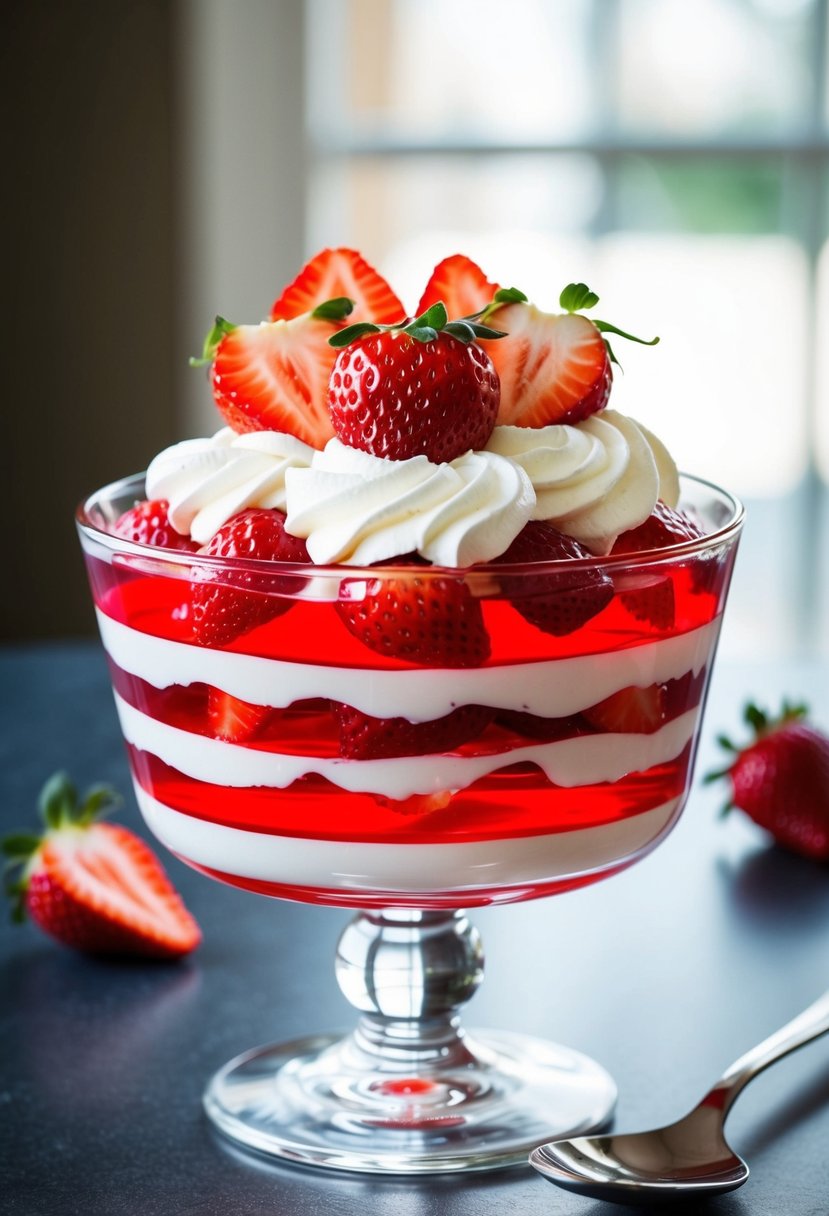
(664, 974)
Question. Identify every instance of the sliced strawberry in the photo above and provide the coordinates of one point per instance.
(429, 620)
(97, 886)
(557, 603)
(274, 377)
(417, 804)
(234, 720)
(366, 738)
(460, 284)
(147, 523)
(654, 602)
(554, 368)
(545, 730)
(631, 711)
(226, 603)
(334, 273)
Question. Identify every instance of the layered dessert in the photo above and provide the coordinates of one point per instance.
(427, 623)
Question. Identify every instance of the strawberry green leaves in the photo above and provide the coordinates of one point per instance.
(577, 297)
(424, 328)
(211, 342)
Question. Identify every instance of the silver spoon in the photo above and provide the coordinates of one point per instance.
(688, 1158)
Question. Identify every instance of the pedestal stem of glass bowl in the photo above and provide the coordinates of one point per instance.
(408, 972)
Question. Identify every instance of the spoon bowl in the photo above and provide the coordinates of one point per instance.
(686, 1159)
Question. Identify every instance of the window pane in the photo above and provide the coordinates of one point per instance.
(699, 194)
(714, 66)
(434, 69)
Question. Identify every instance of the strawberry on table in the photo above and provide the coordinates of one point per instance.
(423, 388)
(227, 604)
(430, 620)
(781, 779)
(460, 285)
(335, 273)
(553, 367)
(147, 523)
(96, 886)
(556, 603)
(365, 738)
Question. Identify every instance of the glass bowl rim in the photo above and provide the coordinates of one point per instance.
(178, 557)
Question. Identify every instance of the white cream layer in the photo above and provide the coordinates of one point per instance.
(551, 688)
(566, 762)
(405, 868)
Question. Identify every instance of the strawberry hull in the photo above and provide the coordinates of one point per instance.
(534, 799)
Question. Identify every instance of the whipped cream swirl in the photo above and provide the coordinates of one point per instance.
(355, 508)
(593, 480)
(206, 481)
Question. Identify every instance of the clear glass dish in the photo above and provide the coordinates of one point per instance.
(532, 781)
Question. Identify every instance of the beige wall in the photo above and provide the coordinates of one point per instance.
(154, 175)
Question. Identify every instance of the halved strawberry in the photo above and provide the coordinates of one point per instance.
(631, 711)
(460, 284)
(365, 738)
(274, 377)
(147, 523)
(429, 620)
(339, 272)
(554, 367)
(654, 601)
(96, 886)
(227, 603)
(557, 603)
(234, 720)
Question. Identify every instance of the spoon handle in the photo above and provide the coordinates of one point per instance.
(808, 1025)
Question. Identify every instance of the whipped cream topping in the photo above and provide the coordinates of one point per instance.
(206, 481)
(593, 480)
(355, 508)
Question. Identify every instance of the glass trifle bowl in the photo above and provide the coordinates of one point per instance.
(549, 762)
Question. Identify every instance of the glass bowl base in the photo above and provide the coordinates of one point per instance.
(315, 1101)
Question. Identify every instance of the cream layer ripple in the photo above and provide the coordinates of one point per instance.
(567, 762)
(551, 688)
(405, 868)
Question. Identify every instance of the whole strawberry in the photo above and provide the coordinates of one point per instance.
(419, 389)
(147, 523)
(95, 886)
(781, 779)
(226, 604)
